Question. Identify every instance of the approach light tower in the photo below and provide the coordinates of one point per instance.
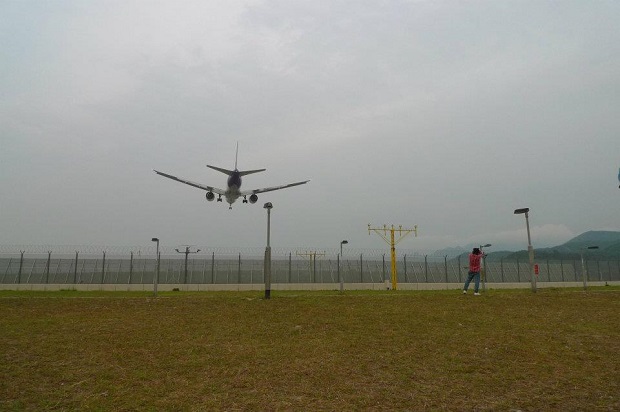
(392, 242)
(186, 252)
(312, 255)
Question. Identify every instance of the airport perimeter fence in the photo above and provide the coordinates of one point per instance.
(25, 267)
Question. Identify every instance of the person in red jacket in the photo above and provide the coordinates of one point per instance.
(474, 271)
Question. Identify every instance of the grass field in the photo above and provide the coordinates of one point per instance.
(435, 350)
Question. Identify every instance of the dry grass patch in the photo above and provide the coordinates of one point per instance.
(505, 350)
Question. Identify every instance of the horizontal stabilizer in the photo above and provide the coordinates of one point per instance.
(248, 172)
(230, 172)
(219, 169)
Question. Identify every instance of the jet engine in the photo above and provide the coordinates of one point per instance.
(253, 199)
(210, 196)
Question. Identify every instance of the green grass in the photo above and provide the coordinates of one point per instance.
(439, 350)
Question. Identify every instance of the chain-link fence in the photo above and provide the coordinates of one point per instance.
(228, 269)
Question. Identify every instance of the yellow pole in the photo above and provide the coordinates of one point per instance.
(393, 250)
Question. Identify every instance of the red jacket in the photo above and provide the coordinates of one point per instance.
(474, 262)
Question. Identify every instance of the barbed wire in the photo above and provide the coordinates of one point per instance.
(120, 250)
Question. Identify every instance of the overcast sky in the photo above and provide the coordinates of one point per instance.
(443, 114)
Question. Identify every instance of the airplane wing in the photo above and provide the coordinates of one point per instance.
(269, 189)
(189, 182)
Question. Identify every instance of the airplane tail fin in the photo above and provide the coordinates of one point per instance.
(241, 172)
(236, 155)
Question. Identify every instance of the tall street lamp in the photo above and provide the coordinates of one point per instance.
(156, 277)
(267, 266)
(484, 267)
(584, 273)
(530, 249)
(340, 277)
(344, 242)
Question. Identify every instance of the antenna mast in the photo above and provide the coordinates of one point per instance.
(312, 255)
(186, 252)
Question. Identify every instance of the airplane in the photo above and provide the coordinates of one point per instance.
(233, 184)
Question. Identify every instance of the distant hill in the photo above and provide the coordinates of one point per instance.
(491, 256)
(608, 243)
(451, 251)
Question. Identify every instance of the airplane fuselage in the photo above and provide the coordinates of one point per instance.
(233, 186)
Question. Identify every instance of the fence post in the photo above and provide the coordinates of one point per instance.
(130, 268)
(92, 274)
(361, 269)
(459, 263)
(548, 271)
(47, 267)
(75, 268)
(426, 268)
(204, 267)
(562, 268)
(313, 260)
(103, 269)
(338, 272)
(445, 263)
(501, 268)
(290, 267)
(384, 278)
(212, 267)
(405, 263)
(518, 271)
(21, 264)
(239, 269)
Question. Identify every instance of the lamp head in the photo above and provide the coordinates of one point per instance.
(344, 242)
(268, 205)
(155, 239)
(521, 211)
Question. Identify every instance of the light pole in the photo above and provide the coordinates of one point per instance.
(584, 273)
(340, 277)
(156, 277)
(267, 270)
(530, 249)
(484, 267)
(187, 252)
